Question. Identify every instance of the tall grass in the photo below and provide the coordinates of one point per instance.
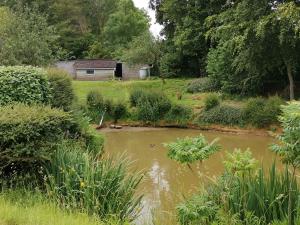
(264, 195)
(99, 187)
(256, 196)
(23, 207)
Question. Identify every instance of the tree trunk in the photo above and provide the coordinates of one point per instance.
(291, 81)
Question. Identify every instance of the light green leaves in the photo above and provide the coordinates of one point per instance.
(189, 150)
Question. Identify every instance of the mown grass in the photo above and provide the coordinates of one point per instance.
(24, 208)
(120, 90)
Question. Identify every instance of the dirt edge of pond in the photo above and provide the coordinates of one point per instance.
(135, 126)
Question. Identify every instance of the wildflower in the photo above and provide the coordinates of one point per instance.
(82, 184)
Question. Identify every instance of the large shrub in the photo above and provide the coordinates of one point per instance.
(118, 111)
(23, 84)
(201, 85)
(223, 114)
(153, 106)
(261, 112)
(28, 135)
(61, 88)
(102, 187)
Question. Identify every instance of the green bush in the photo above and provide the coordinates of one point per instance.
(201, 85)
(118, 111)
(61, 88)
(153, 106)
(223, 114)
(135, 96)
(95, 105)
(211, 101)
(102, 187)
(179, 114)
(28, 135)
(261, 112)
(23, 84)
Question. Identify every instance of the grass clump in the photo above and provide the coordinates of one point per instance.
(179, 114)
(153, 106)
(211, 101)
(97, 187)
(201, 85)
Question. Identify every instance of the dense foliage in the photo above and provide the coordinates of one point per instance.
(28, 135)
(78, 29)
(61, 89)
(23, 84)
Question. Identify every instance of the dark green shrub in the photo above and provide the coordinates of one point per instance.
(211, 101)
(118, 111)
(261, 112)
(23, 84)
(95, 105)
(102, 187)
(201, 85)
(153, 106)
(61, 88)
(28, 135)
(179, 114)
(223, 114)
(135, 95)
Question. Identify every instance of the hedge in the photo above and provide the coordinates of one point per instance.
(23, 84)
(61, 89)
(28, 134)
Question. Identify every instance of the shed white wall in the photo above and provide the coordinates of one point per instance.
(99, 74)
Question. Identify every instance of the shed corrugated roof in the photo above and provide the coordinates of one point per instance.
(95, 64)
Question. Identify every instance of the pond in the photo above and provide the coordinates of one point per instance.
(167, 182)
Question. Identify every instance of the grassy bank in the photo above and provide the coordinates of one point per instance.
(119, 90)
(18, 208)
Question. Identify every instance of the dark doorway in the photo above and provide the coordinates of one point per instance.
(119, 70)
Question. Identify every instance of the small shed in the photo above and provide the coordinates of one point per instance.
(96, 69)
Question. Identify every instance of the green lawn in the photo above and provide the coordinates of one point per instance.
(120, 90)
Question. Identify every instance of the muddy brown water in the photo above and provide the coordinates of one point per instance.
(167, 182)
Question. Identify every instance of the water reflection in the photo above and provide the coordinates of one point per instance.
(167, 181)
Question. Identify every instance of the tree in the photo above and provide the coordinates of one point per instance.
(289, 145)
(144, 49)
(282, 27)
(257, 41)
(26, 38)
(125, 24)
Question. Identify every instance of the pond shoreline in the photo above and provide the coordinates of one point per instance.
(133, 126)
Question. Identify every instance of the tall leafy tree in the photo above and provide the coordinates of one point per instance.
(26, 38)
(125, 24)
(251, 40)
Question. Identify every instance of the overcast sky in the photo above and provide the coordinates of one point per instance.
(155, 28)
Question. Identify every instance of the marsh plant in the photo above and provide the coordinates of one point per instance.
(289, 147)
(189, 150)
(103, 187)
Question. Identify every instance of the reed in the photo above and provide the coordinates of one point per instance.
(103, 188)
